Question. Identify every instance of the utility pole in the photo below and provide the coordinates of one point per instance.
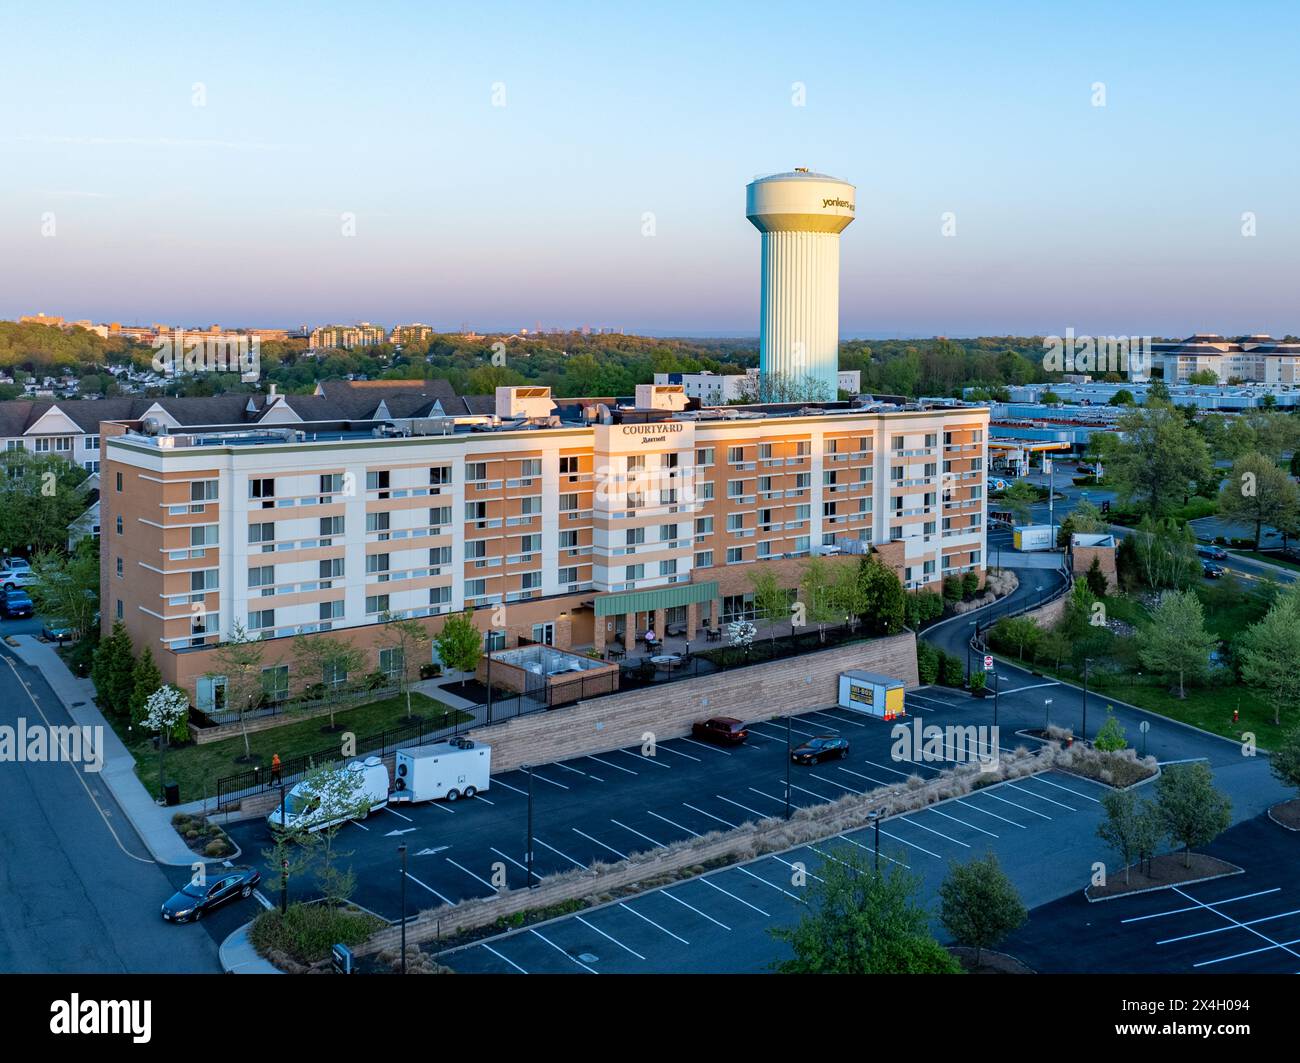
(1084, 736)
(789, 752)
(402, 849)
(528, 853)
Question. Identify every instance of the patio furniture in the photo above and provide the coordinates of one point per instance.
(713, 634)
(666, 662)
(615, 653)
(676, 631)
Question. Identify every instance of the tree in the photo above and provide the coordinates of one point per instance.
(1164, 553)
(66, 586)
(112, 670)
(886, 599)
(40, 495)
(1020, 632)
(862, 921)
(1096, 579)
(1111, 737)
(1259, 493)
(817, 595)
(1193, 811)
(849, 594)
(1123, 397)
(239, 661)
(165, 710)
(1285, 761)
(1203, 376)
(146, 679)
(978, 905)
(1176, 642)
(771, 600)
(330, 661)
(460, 643)
(342, 797)
(405, 637)
(1269, 652)
(1158, 459)
(1120, 828)
(1018, 498)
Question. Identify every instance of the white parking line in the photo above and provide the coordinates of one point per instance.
(674, 897)
(435, 804)
(616, 767)
(793, 730)
(430, 889)
(498, 782)
(1067, 789)
(1049, 800)
(1221, 929)
(859, 775)
(804, 719)
(621, 856)
(913, 845)
(389, 808)
(820, 797)
(976, 808)
(896, 771)
(1034, 686)
(1250, 952)
(591, 926)
(361, 825)
(911, 820)
(653, 923)
(803, 870)
(871, 849)
(261, 899)
(643, 759)
(480, 797)
(1194, 907)
(1284, 946)
(770, 797)
(471, 874)
(839, 719)
(522, 867)
(557, 948)
(677, 752)
(709, 882)
(657, 845)
(557, 852)
(506, 958)
(962, 822)
(565, 767)
(760, 815)
(688, 830)
(1013, 804)
(725, 823)
(779, 889)
(832, 782)
(705, 745)
(543, 778)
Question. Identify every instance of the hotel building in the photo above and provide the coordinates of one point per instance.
(577, 524)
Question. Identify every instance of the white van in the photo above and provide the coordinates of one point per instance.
(450, 770)
(302, 808)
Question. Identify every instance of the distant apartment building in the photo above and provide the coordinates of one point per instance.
(1248, 359)
(575, 524)
(348, 337)
(410, 333)
(718, 389)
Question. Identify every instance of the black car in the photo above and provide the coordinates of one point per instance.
(1212, 553)
(1211, 571)
(194, 898)
(14, 603)
(823, 747)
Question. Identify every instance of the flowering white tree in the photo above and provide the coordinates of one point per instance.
(163, 710)
(741, 633)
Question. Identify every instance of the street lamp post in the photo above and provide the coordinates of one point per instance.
(996, 689)
(284, 861)
(1086, 662)
(1047, 714)
(875, 818)
(789, 753)
(528, 853)
(402, 849)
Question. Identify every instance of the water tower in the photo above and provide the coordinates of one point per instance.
(801, 216)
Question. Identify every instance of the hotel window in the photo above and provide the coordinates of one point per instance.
(668, 568)
(333, 676)
(735, 555)
(261, 619)
(947, 561)
(704, 491)
(439, 475)
(764, 485)
(931, 469)
(204, 535)
(476, 511)
(531, 581)
(119, 525)
(974, 557)
(532, 507)
(735, 522)
(530, 468)
(475, 548)
(475, 471)
(119, 609)
(568, 575)
(261, 489)
(703, 525)
(802, 449)
(569, 466)
(376, 563)
(896, 473)
(764, 549)
(802, 544)
(261, 533)
(764, 451)
(735, 488)
(704, 559)
(377, 481)
(275, 683)
(331, 568)
(262, 576)
(568, 540)
(439, 555)
(439, 595)
(931, 439)
(927, 568)
(376, 603)
(668, 498)
(119, 566)
(475, 588)
(636, 463)
(828, 478)
(330, 526)
(635, 500)
(803, 480)
(376, 522)
(568, 504)
(331, 483)
(119, 481)
(204, 581)
(634, 536)
(927, 528)
(735, 455)
(802, 512)
(828, 509)
(667, 532)
(392, 662)
(441, 515)
(530, 544)
(634, 572)
(493, 641)
(203, 491)
(671, 461)
(704, 457)
(764, 518)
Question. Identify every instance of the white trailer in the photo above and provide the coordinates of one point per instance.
(444, 770)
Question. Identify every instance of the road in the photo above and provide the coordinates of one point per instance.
(79, 892)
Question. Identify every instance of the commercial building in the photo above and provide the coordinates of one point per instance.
(577, 524)
(718, 389)
(1247, 359)
(348, 337)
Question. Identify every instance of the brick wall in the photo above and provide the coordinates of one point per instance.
(1083, 556)
(776, 688)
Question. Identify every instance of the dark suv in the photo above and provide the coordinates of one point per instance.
(721, 730)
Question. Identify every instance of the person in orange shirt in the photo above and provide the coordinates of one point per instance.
(275, 768)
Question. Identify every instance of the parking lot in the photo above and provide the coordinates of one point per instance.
(720, 922)
(1247, 923)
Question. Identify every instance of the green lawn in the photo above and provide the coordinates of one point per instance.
(197, 767)
(1258, 556)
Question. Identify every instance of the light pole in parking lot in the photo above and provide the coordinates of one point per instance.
(402, 849)
(874, 815)
(1086, 662)
(284, 861)
(1047, 715)
(789, 752)
(996, 688)
(528, 853)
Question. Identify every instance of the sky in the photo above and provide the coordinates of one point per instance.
(505, 165)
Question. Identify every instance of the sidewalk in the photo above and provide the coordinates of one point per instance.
(239, 957)
(151, 820)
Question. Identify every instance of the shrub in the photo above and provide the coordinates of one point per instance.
(978, 681)
(375, 680)
(952, 588)
(1111, 737)
(927, 663)
(951, 672)
(970, 583)
(429, 670)
(307, 932)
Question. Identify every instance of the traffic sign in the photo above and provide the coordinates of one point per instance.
(988, 663)
(1144, 726)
